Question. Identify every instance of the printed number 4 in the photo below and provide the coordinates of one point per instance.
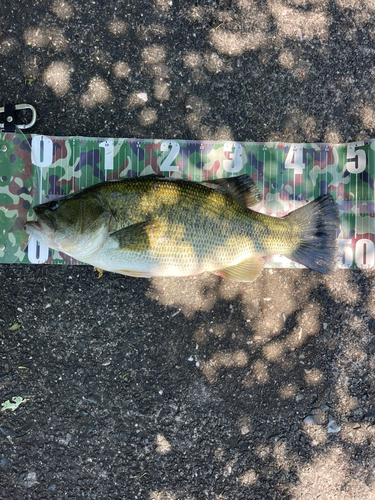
(294, 158)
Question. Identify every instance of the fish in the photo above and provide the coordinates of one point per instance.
(152, 226)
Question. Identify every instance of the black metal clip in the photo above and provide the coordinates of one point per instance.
(9, 124)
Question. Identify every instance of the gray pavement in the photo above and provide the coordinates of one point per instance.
(189, 388)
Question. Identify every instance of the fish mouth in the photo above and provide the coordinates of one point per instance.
(43, 226)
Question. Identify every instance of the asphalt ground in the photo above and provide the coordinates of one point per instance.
(189, 388)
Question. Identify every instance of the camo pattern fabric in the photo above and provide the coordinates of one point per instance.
(35, 169)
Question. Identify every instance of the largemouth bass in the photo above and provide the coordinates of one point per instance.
(155, 226)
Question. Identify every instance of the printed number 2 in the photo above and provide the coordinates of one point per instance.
(356, 159)
(294, 158)
(166, 165)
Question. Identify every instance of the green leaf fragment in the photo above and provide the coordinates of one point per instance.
(30, 80)
(17, 400)
(15, 326)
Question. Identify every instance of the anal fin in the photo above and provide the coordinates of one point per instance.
(247, 270)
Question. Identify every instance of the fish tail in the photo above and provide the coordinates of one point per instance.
(317, 225)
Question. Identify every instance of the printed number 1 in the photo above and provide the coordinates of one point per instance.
(294, 158)
(108, 153)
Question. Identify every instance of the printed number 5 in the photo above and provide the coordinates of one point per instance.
(356, 159)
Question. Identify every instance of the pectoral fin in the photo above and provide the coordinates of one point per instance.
(247, 270)
(137, 237)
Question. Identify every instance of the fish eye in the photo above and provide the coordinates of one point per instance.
(53, 205)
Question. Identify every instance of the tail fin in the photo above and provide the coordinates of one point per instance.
(317, 225)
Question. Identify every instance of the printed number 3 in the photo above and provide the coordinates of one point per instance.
(235, 164)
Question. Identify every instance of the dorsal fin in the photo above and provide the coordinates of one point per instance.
(241, 189)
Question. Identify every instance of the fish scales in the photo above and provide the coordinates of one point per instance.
(152, 226)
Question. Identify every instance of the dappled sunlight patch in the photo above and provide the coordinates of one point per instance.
(317, 433)
(188, 294)
(160, 70)
(234, 44)
(308, 325)
(342, 289)
(121, 69)
(366, 115)
(263, 451)
(163, 5)
(166, 494)
(258, 374)
(42, 36)
(57, 76)
(153, 54)
(297, 24)
(8, 45)
(248, 478)
(313, 377)
(328, 476)
(162, 445)
(163, 495)
(147, 117)
(332, 136)
(63, 10)
(98, 93)
(354, 353)
(195, 14)
(288, 391)
(192, 60)
(269, 324)
(359, 434)
(283, 456)
(136, 99)
(117, 27)
(161, 91)
(244, 423)
(223, 133)
(286, 59)
(214, 63)
(296, 119)
(345, 401)
(273, 351)
(237, 359)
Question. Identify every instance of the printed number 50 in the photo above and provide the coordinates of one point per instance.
(364, 254)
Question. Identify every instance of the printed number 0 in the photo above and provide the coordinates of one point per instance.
(294, 158)
(166, 165)
(42, 151)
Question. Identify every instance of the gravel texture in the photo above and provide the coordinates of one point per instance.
(196, 388)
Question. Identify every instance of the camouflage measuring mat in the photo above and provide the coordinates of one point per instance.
(35, 169)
